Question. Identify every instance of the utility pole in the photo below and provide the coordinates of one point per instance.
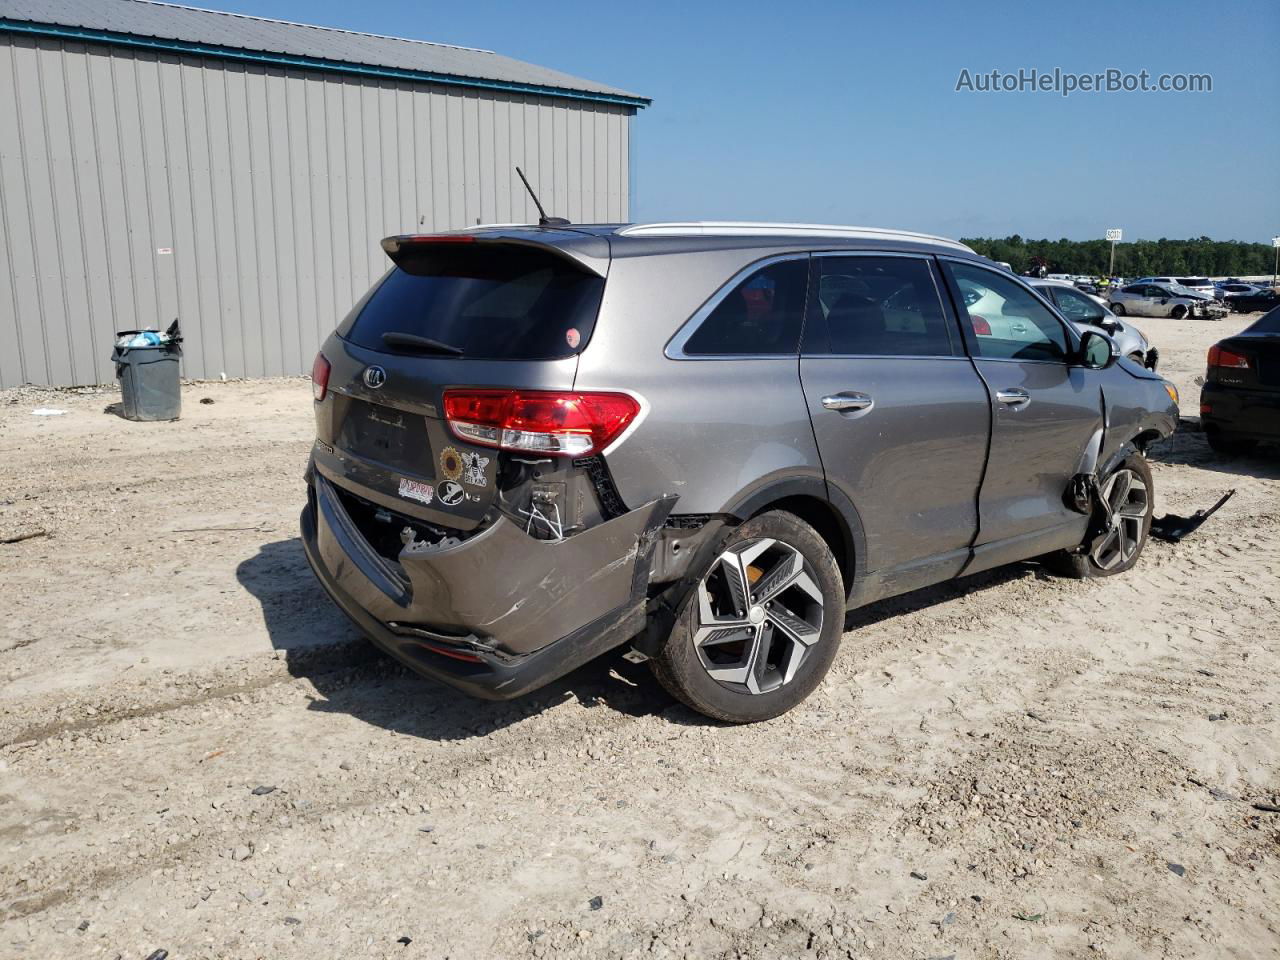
(1275, 242)
(1114, 235)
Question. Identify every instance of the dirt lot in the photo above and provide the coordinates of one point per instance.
(1011, 766)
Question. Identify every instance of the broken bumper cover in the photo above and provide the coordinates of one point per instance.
(500, 613)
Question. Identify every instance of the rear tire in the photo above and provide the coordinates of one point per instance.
(1226, 445)
(1130, 491)
(758, 632)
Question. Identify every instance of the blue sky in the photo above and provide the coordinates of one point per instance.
(847, 112)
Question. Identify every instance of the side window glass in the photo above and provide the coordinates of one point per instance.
(762, 315)
(1007, 321)
(1078, 307)
(880, 307)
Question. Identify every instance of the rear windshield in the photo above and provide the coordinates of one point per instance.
(1267, 323)
(1194, 281)
(485, 301)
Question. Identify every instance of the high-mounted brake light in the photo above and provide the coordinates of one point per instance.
(1220, 357)
(393, 245)
(980, 325)
(540, 421)
(320, 377)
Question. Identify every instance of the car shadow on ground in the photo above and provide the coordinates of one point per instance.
(1190, 449)
(352, 676)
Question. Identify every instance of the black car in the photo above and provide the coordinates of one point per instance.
(1249, 302)
(1240, 399)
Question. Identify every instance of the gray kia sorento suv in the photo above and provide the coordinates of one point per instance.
(709, 440)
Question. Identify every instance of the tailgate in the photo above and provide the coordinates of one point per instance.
(389, 444)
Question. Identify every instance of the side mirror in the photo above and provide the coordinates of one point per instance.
(1109, 324)
(1098, 351)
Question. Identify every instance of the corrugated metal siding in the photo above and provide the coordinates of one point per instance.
(270, 186)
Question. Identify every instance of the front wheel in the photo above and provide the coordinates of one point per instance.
(1118, 309)
(1178, 312)
(1128, 495)
(759, 631)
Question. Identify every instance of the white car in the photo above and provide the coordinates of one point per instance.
(1201, 285)
(1145, 299)
(1086, 312)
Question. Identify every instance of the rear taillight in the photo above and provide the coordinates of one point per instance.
(1220, 357)
(540, 421)
(980, 325)
(320, 377)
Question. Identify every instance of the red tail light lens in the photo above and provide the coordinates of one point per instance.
(320, 377)
(540, 421)
(980, 325)
(1219, 357)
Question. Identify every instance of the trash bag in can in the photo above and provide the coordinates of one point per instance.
(147, 364)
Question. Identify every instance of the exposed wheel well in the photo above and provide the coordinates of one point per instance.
(825, 519)
(1145, 439)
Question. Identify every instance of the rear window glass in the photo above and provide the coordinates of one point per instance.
(488, 302)
(878, 306)
(761, 316)
(1194, 281)
(1267, 323)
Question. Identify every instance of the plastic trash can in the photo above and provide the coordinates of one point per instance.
(149, 376)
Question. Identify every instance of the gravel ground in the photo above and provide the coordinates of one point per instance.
(197, 753)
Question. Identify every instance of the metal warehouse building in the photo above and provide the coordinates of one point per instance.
(158, 161)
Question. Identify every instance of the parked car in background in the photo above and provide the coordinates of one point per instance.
(1164, 300)
(1201, 285)
(1240, 399)
(512, 476)
(1086, 312)
(1261, 298)
(1233, 288)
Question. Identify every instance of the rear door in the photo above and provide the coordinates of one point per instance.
(452, 313)
(1047, 417)
(900, 415)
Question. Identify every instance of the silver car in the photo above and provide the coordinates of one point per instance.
(535, 444)
(1087, 312)
(1164, 300)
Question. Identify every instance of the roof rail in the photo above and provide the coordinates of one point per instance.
(731, 228)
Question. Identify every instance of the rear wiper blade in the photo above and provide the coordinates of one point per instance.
(411, 341)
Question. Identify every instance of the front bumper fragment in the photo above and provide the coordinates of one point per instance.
(498, 614)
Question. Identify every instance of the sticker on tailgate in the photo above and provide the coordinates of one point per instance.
(413, 490)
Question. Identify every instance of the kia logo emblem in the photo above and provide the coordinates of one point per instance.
(374, 377)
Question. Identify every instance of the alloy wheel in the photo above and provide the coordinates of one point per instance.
(759, 612)
(1126, 502)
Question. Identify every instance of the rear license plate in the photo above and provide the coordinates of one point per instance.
(389, 436)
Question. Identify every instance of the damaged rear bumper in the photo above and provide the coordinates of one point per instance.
(499, 613)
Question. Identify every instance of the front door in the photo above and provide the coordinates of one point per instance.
(900, 415)
(1047, 422)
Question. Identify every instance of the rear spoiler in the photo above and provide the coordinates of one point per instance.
(585, 251)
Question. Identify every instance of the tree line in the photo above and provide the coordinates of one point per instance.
(1141, 258)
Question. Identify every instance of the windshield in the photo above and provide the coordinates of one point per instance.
(1194, 282)
(487, 301)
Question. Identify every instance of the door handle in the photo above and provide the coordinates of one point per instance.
(850, 401)
(1014, 397)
